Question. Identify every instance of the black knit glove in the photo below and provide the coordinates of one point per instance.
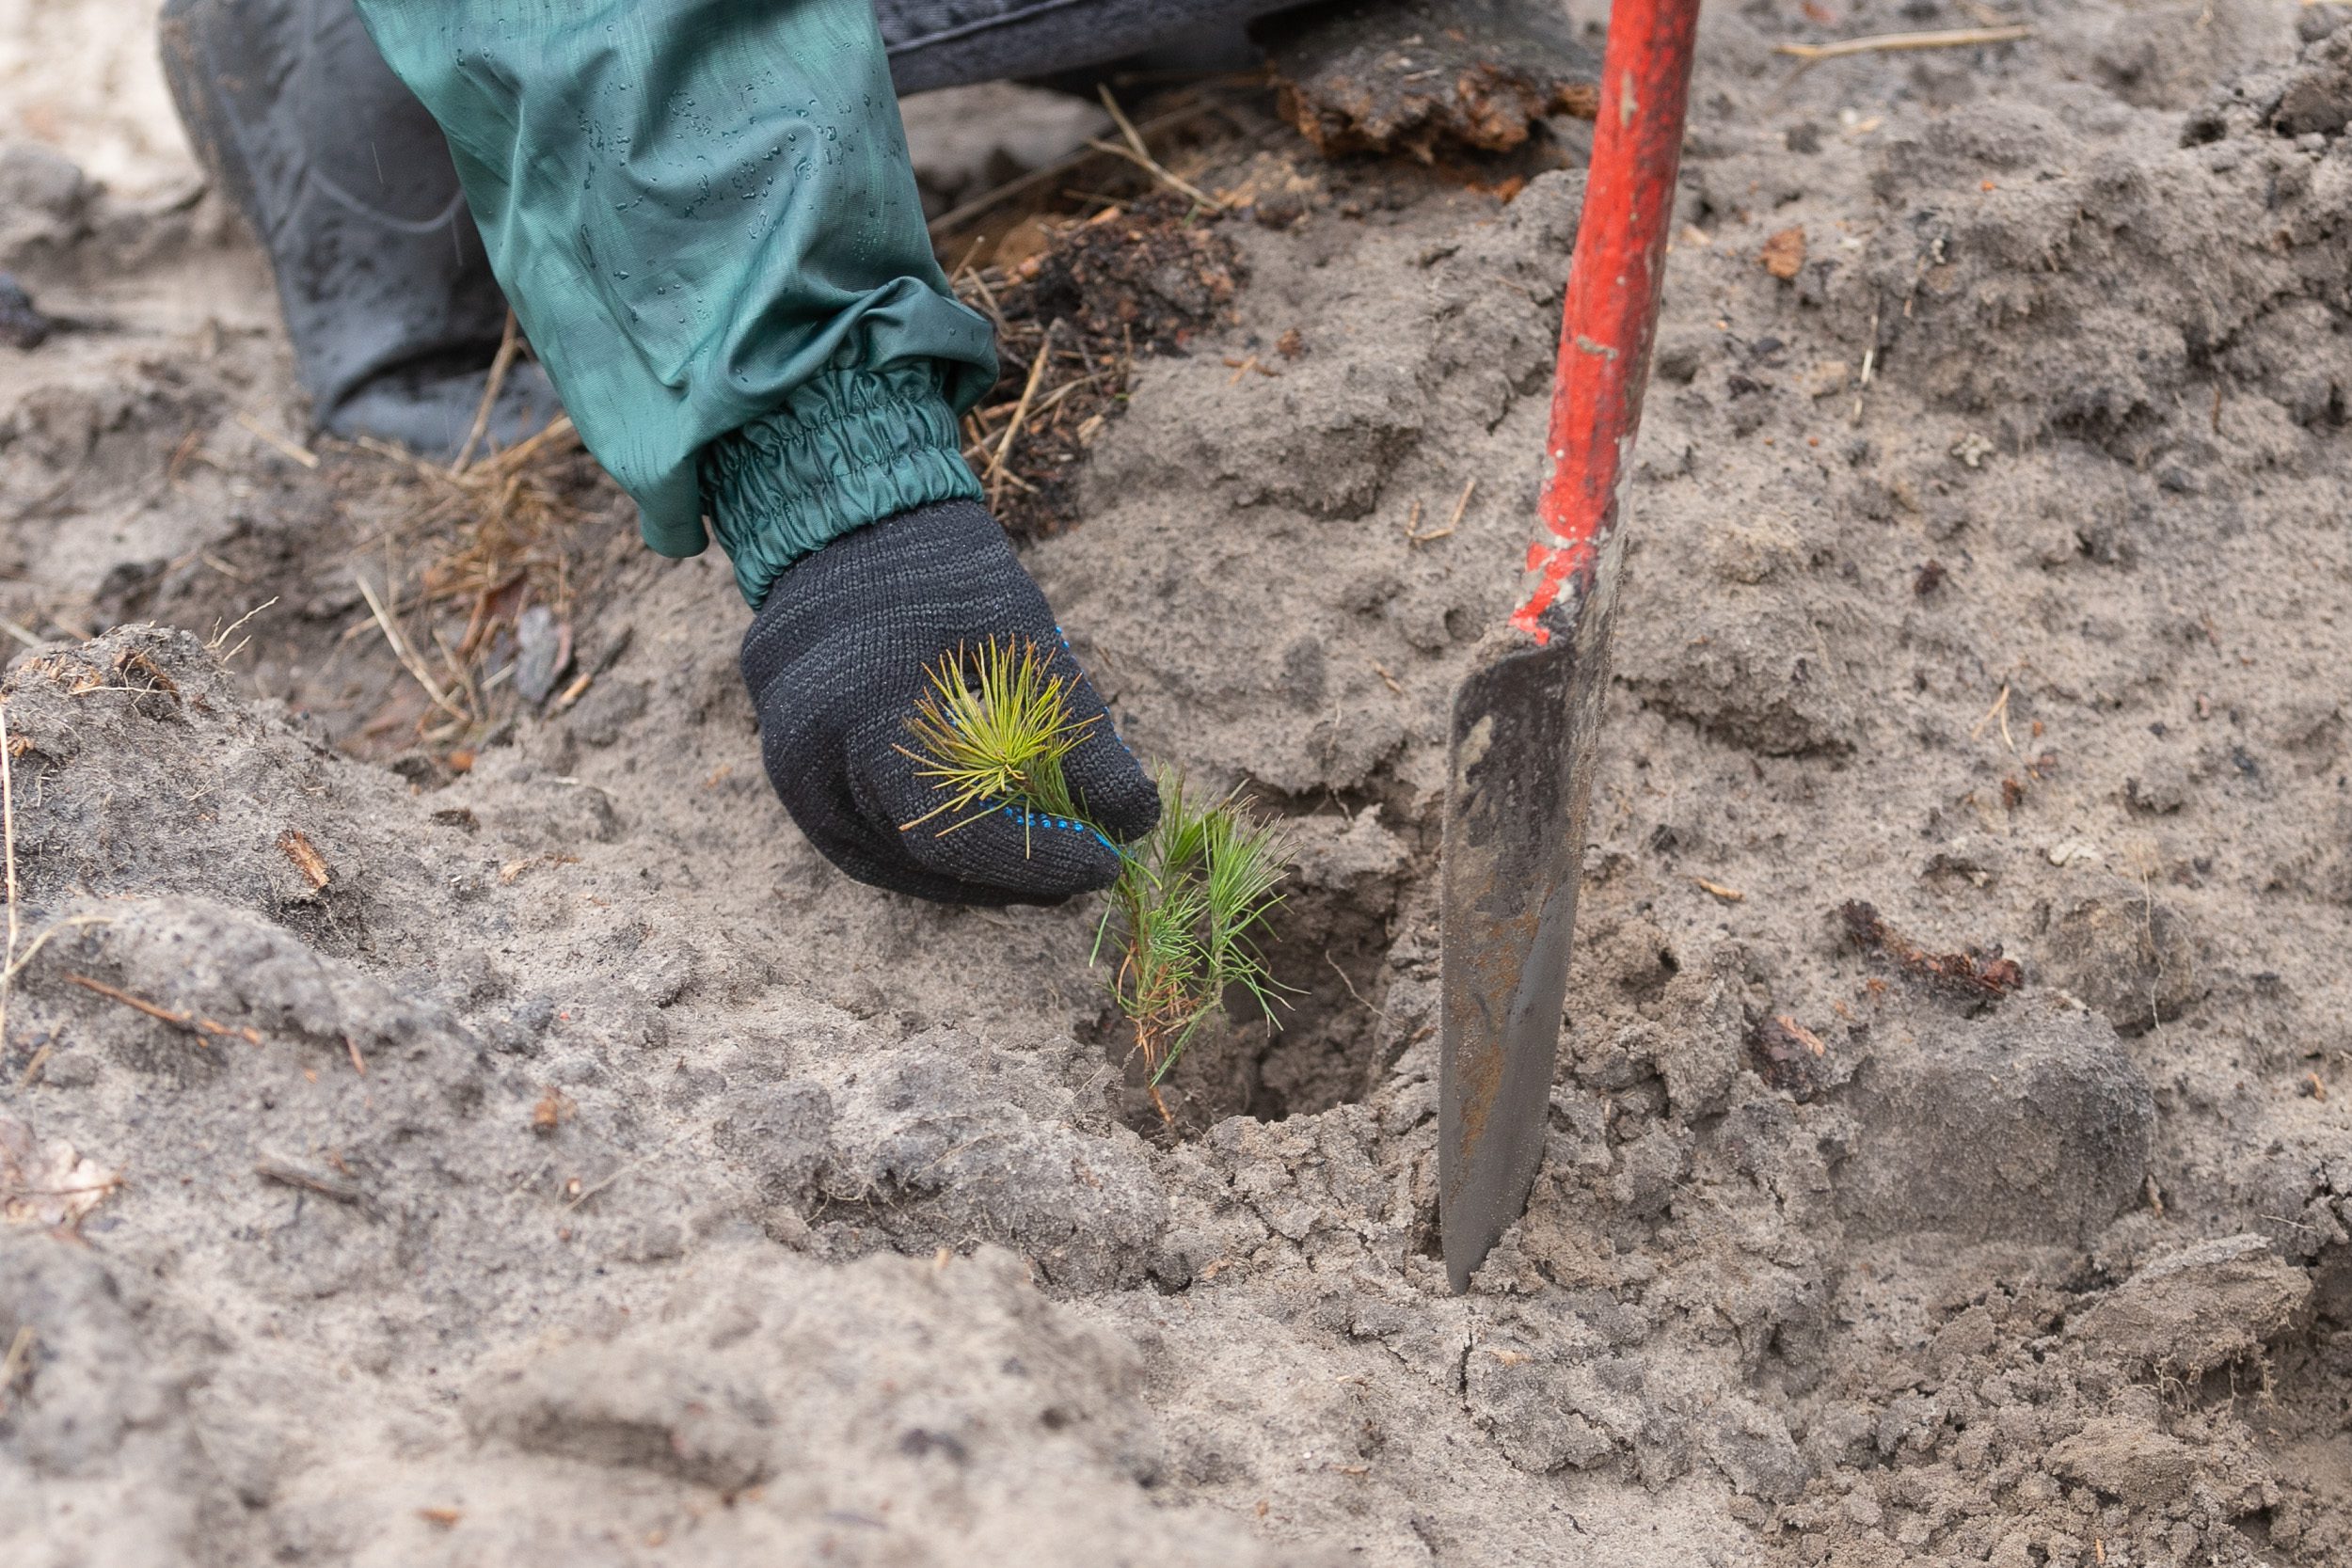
(836, 660)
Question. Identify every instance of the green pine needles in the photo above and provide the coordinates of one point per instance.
(1191, 903)
(1194, 898)
(992, 731)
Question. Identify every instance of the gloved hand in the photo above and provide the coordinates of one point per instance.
(836, 660)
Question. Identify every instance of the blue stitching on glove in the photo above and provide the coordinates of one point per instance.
(1038, 819)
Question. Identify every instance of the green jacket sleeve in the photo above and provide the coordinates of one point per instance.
(703, 216)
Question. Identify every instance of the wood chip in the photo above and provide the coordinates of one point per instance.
(1802, 1035)
(554, 1108)
(306, 857)
(1783, 254)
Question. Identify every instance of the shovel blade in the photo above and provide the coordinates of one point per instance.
(1519, 773)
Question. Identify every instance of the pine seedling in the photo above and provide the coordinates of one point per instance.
(1193, 898)
(991, 732)
(1191, 903)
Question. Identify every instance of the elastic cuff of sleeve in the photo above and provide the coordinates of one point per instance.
(848, 449)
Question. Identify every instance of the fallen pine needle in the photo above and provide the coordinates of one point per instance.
(1459, 507)
(1728, 894)
(301, 454)
(1999, 711)
(189, 1022)
(1955, 38)
(1139, 154)
(1452, 522)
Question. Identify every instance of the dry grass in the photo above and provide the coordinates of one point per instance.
(470, 548)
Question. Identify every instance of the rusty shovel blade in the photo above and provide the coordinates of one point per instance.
(1522, 773)
(1525, 721)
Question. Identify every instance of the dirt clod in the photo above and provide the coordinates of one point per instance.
(1420, 78)
(1973, 973)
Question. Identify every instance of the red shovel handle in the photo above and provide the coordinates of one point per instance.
(1612, 305)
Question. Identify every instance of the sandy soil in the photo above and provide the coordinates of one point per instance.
(696, 1205)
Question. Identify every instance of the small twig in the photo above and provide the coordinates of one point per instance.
(1351, 986)
(1954, 38)
(1020, 412)
(995, 311)
(399, 651)
(519, 455)
(1137, 153)
(301, 454)
(189, 1022)
(956, 218)
(40, 940)
(231, 630)
(572, 692)
(587, 1193)
(16, 966)
(13, 1364)
(499, 364)
(7, 837)
(309, 1182)
(1158, 171)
